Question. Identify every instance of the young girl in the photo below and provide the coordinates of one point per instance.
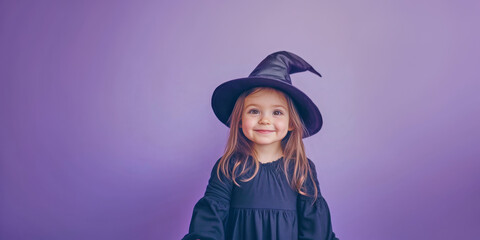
(264, 186)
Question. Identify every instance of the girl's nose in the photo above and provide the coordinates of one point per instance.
(264, 120)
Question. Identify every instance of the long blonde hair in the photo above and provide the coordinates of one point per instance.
(239, 148)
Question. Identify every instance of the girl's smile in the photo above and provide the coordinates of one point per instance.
(264, 131)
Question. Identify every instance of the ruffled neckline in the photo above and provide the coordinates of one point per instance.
(272, 164)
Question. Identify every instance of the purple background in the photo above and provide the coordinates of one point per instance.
(107, 130)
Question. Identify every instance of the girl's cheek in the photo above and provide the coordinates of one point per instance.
(284, 125)
(248, 123)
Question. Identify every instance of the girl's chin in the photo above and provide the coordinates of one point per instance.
(265, 143)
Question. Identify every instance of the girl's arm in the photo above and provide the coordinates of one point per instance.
(314, 219)
(211, 211)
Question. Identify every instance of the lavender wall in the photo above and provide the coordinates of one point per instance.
(107, 130)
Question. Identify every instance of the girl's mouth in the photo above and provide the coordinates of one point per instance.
(264, 131)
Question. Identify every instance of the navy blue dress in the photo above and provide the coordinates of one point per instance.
(263, 208)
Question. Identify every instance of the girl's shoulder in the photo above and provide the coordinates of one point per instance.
(217, 173)
(231, 162)
(311, 164)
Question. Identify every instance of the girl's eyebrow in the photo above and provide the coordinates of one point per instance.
(282, 106)
(256, 105)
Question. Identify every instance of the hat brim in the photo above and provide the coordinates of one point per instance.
(225, 96)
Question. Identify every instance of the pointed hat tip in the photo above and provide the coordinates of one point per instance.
(299, 63)
(312, 70)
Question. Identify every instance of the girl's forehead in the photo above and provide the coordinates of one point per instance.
(266, 91)
(265, 95)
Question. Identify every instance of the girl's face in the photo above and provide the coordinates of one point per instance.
(265, 118)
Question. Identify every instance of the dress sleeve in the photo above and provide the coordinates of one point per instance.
(313, 218)
(210, 214)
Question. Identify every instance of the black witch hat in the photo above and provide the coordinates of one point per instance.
(274, 71)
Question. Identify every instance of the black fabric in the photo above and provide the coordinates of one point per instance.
(263, 208)
(280, 65)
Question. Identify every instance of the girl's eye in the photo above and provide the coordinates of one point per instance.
(253, 111)
(277, 112)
